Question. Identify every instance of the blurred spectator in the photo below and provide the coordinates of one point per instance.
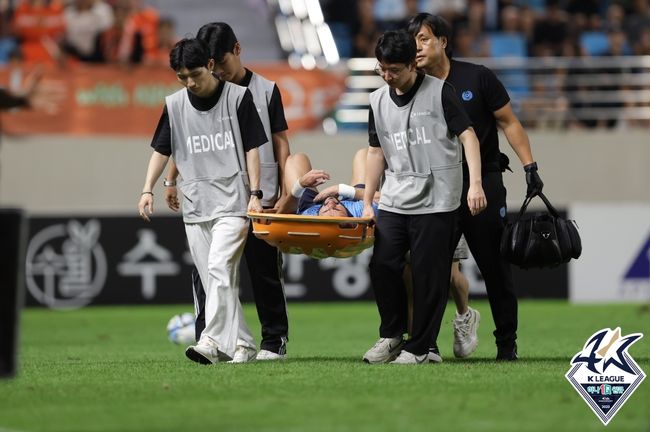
(141, 25)
(546, 106)
(527, 20)
(510, 41)
(467, 44)
(39, 26)
(451, 10)
(366, 35)
(603, 92)
(582, 95)
(476, 17)
(613, 82)
(6, 13)
(393, 14)
(572, 48)
(110, 40)
(167, 38)
(7, 40)
(85, 21)
(615, 16)
(585, 15)
(642, 45)
(618, 45)
(133, 37)
(511, 19)
(550, 31)
(638, 20)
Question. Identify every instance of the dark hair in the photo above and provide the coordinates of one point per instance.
(438, 25)
(219, 37)
(189, 53)
(396, 47)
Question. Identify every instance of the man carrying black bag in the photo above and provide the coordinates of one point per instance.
(488, 105)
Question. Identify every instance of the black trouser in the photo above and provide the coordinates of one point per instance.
(429, 237)
(483, 235)
(264, 263)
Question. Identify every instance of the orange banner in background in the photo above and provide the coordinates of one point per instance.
(107, 100)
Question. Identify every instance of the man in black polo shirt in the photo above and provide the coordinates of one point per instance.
(488, 105)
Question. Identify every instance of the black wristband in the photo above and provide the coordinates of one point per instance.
(144, 193)
(530, 167)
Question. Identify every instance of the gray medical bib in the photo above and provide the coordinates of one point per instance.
(262, 89)
(208, 151)
(423, 172)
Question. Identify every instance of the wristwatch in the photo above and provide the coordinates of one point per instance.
(258, 193)
(169, 183)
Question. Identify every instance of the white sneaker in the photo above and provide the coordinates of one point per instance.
(243, 354)
(204, 352)
(384, 350)
(465, 337)
(406, 357)
(265, 355)
(434, 355)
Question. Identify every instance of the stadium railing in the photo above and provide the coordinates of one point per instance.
(554, 92)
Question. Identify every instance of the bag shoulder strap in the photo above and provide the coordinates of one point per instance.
(548, 204)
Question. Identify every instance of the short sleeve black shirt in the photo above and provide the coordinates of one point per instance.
(275, 107)
(481, 93)
(455, 116)
(252, 130)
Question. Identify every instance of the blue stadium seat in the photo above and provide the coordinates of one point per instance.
(511, 45)
(507, 45)
(594, 43)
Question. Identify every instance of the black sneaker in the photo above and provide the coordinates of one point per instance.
(507, 353)
(434, 354)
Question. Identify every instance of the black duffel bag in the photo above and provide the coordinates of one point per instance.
(541, 239)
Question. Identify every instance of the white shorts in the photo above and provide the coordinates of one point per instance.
(462, 251)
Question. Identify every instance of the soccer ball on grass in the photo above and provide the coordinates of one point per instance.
(180, 329)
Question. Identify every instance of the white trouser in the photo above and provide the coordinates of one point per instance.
(216, 247)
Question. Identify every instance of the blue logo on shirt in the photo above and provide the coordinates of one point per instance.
(467, 95)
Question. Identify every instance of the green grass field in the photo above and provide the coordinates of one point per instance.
(112, 369)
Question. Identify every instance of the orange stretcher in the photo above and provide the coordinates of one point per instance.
(316, 236)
